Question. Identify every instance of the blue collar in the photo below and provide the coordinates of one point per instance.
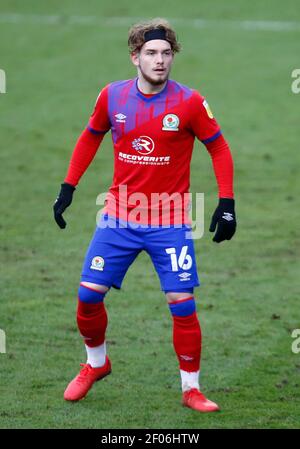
(153, 97)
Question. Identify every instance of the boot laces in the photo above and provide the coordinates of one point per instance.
(84, 372)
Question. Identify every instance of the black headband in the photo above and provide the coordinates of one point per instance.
(157, 33)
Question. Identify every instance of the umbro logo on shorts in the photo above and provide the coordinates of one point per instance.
(184, 276)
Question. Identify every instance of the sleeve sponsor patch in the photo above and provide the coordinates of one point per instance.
(208, 110)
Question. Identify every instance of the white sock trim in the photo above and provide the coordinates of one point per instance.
(96, 356)
(189, 380)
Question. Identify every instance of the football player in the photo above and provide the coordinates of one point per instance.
(154, 121)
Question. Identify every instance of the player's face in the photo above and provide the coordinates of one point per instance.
(154, 61)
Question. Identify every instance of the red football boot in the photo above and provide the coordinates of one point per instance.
(196, 400)
(83, 382)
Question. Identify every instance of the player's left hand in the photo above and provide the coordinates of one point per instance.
(224, 219)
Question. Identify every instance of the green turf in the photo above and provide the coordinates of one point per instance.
(248, 301)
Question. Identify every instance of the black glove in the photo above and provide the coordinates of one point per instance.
(224, 217)
(63, 201)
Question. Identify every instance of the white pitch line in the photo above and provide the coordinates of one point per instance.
(62, 19)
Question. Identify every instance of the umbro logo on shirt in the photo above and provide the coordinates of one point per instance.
(121, 118)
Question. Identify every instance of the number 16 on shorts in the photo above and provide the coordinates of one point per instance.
(184, 261)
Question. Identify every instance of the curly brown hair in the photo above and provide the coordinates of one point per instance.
(136, 35)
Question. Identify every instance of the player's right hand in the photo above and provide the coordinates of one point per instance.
(63, 201)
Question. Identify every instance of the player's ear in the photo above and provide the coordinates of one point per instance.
(134, 56)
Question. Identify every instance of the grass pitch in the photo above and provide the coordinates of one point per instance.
(57, 56)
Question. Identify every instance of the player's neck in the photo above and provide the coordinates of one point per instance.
(149, 89)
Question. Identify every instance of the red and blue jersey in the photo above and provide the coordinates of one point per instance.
(153, 138)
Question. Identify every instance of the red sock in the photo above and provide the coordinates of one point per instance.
(186, 334)
(92, 322)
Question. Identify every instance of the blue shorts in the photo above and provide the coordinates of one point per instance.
(114, 248)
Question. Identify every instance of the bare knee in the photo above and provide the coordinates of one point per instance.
(98, 287)
(177, 296)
